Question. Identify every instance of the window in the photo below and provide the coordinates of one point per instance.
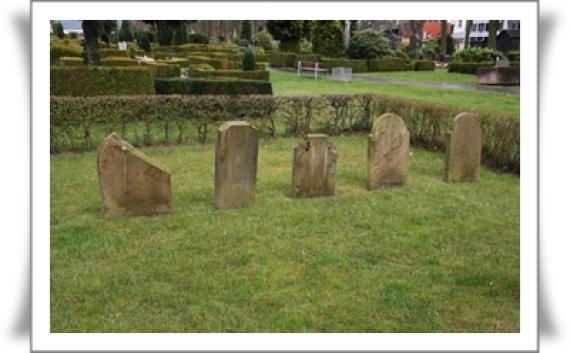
(460, 23)
(473, 28)
(481, 27)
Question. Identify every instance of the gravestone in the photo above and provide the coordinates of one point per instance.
(236, 165)
(131, 183)
(341, 73)
(314, 167)
(498, 75)
(388, 152)
(463, 150)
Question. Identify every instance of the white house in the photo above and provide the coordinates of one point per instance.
(479, 31)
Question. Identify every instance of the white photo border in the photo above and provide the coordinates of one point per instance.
(525, 11)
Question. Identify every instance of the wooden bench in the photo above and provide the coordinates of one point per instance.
(310, 66)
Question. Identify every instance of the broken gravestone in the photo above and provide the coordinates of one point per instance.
(463, 150)
(388, 152)
(236, 165)
(131, 183)
(314, 167)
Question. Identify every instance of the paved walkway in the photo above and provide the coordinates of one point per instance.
(514, 90)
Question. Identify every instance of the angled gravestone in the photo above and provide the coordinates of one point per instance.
(236, 165)
(314, 167)
(131, 183)
(388, 152)
(463, 150)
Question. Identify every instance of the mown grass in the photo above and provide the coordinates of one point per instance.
(438, 75)
(426, 257)
(285, 83)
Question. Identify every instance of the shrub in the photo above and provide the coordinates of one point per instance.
(389, 64)
(263, 39)
(468, 68)
(514, 55)
(247, 75)
(183, 63)
(248, 62)
(143, 41)
(476, 55)
(118, 61)
(125, 33)
(71, 61)
(368, 44)
(72, 119)
(218, 64)
(56, 52)
(57, 29)
(287, 32)
(356, 65)
(105, 53)
(164, 70)
(308, 57)
(283, 59)
(515, 63)
(97, 81)
(198, 38)
(424, 65)
(132, 52)
(327, 38)
(400, 54)
(180, 36)
(202, 67)
(207, 86)
(243, 43)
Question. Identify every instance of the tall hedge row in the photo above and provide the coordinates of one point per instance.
(468, 68)
(81, 123)
(97, 81)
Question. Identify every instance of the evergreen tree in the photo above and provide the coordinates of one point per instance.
(288, 33)
(248, 62)
(245, 32)
(180, 36)
(328, 38)
(57, 29)
(125, 33)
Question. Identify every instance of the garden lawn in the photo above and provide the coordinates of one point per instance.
(438, 75)
(426, 257)
(285, 83)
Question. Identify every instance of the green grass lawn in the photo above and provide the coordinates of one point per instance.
(438, 75)
(285, 83)
(426, 257)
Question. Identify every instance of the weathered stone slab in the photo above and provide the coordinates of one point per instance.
(131, 183)
(236, 165)
(314, 167)
(498, 76)
(388, 152)
(463, 150)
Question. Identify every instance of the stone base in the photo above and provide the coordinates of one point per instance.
(498, 76)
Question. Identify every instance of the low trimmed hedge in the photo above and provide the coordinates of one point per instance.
(468, 68)
(247, 75)
(217, 64)
(55, 53)
(183, 63)
(117, 61)
(514, 55)
(164, 70)
(98, 81)
(71, 61)
(308, 57)
(107, 52)
(389, 64)
(424, 65)
(200, 86)
(73, 119)
(356, 65)
(277, 59)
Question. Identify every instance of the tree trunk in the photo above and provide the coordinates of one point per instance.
(468, 24)
(416, 38)
(443, 39)
(492, 41)
(347, 32)
(91, 46)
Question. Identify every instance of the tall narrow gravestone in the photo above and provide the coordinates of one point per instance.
(388, 152)
(131, 183)
(314, 167)
(463, 150)
(236, 165)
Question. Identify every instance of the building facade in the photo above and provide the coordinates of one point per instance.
(479, 31)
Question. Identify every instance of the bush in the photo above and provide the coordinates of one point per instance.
(56, 52)
(202, 67)
(105, 53)
(57, 29)
(356, 65)
(400, 54)
(118, 61)
(183, 63)
(308, 57)
(424, 65)
(468, 68)
(368, 44)
(71, 61)
(125, 33)
(514, 55)
(97, 81)
(215, 87)
(389, 64)
(515, 63)
(143, 41)
(247, 75)
(248, 62)
(287, 32)
(327, 38)
(283, 59)
(476, 55)
(218, 64)
(263, 39)
(198, 38)
(72, 119)
(243, 43)
(164, 70)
